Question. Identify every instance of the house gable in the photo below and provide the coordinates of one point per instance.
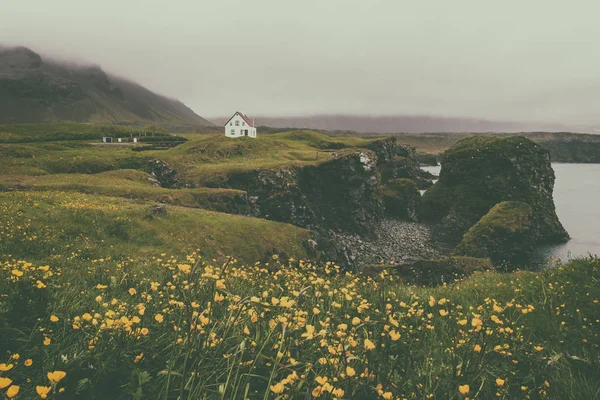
(244, 117)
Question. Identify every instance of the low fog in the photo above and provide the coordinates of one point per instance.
(503, 61)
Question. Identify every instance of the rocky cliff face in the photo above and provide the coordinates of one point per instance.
(340, 194)
(401, 198)
(480, 172)
(395, 161)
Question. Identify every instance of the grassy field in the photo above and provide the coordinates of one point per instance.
(185, 327)
(42, 225)
(131, 184)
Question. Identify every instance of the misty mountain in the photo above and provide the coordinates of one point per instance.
(33, 89)
(407, 124)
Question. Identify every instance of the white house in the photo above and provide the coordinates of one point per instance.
(240, 125)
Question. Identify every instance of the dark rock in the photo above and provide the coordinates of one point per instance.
(395, 160)
(482, 171)
(503, 235)
(156, 211)
(341, 194)
(401, 198)
(163, 174)
(428, 159)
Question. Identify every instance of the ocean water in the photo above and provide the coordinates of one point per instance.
(577, 201)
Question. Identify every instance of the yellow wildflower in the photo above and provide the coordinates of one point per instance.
(369, 345)
(431, 301)
(278, 388)
(5, 367)
(185, 268)
(4, 382)
(350, 371)
(43, 391)
(56, 376)
(12, 391)
(321, 380)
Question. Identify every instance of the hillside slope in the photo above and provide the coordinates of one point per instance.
(33, 89)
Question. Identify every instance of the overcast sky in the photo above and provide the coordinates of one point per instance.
(529, 60)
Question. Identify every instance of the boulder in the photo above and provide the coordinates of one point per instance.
(156, 211)
(503, 235)
(401, 199)
(481, 171)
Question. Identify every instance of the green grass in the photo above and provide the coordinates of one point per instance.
(211, 159)
(52, 132)
(204, 160)
(132, 184)
(40, 225)
(177, 327)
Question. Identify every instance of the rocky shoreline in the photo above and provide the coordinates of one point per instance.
(394, 241)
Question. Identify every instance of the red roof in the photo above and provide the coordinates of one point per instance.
(244, 117)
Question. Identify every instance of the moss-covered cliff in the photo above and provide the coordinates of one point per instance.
(396, 160)
(480, 172)
(504, 234)
(342, 193)
(401, 198)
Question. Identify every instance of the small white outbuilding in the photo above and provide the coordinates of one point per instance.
(239, 125)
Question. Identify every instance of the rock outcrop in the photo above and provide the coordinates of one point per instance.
(503, 235)
(341, 194)
(164, 174)
(401, 198)
(396, 160)
(480, 172)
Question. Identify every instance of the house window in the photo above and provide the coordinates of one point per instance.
(233, 132)
(243, 124)
(231, 124)
(237, 123)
